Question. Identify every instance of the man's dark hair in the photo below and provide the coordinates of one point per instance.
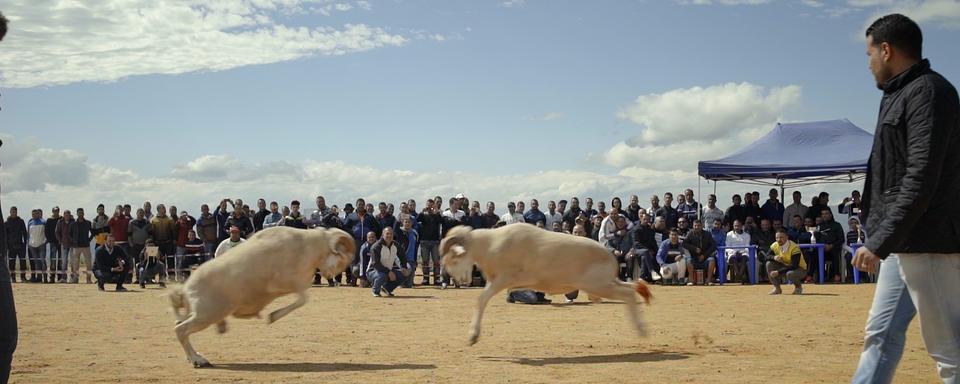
(3, 26)
(899, 31)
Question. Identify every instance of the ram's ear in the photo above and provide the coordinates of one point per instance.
(458, 250)
(341, 243)
(456, 236)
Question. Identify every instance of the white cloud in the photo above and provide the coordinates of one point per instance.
(62, 43)
(682, 126)
(941, 13)
(813, 3)
(343, 7)
(513, 3)
(549, 116)
(364, 5)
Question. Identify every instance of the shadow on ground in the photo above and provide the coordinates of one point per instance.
(318, 367)
(637, 357)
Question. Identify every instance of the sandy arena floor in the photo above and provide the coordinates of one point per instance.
(727, 334)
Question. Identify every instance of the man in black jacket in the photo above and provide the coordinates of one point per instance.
(429, 220)
(57, 258)
(16, 233)
(111, 265)
(8, 314)
(910, 205)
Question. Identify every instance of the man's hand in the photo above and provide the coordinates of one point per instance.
(865, 260)
(392, 276)
(779, 259)
(405, 272)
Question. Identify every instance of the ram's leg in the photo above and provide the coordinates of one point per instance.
(492, 288)
(626, 292)
(280, 313)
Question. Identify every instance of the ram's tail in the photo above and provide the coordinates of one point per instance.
(644, 291)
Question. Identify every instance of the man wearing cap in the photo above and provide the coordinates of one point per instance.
(231, 242)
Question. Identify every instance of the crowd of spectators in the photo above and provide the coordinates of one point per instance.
(679, 244)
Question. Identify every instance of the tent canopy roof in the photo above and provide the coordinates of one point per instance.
(817, 150)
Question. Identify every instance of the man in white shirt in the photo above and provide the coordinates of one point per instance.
(230, 243)
(737, 257)
(608, 227)
(552, 215)
(512, 216)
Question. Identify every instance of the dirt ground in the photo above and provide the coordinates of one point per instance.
(71, 333)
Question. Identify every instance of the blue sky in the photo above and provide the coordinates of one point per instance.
(521, 98)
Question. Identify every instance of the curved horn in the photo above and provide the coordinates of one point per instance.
(341, 242)
(455, 237)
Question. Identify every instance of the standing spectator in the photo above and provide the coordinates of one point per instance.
(797, 208)
(408, 241)
(261, 215)
(589, 211)
(752, 207)
(823, 202)
(387, 265)
(294, 219)
(164, 233)
(119, 223)
(273, 218)
(66, 243)
(57, 262)
(384, 217)
(139, 232)
(240, 220)
(429, 220)
(552, 216)
(850, 206)
(490, 217)
(207, 231)
(148, 211)
(450, 218)
(833, 237)
(37, 247)
(16, 232)
(672, 257)
(690, 208)
(512, 216)
(100, 226)
(316, 217)
(654, 206)
(667, 212)
(736, 212)
(711, 213)
(786, 262)
(80, 236)
(221, 215)
(703, 251)
(332, 219)
(534, 215)
(562, 207)
(574, 212)
(773, 209)
(796, 228)
(474, 219)
(359, 223)
(111, 264)
(737, 257)
(521, 208)
(601, 211)
(633, 210)
(50, 232)
(193, 252)
(184, 226)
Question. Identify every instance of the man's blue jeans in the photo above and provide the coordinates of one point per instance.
(908, 284)
(381, 280)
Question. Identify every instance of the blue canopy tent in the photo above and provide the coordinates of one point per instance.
(795, 154)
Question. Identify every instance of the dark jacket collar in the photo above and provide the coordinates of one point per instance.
(899, 81)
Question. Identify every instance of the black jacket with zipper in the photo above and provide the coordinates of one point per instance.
(910, 195)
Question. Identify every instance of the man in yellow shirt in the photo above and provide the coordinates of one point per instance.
(787, 261)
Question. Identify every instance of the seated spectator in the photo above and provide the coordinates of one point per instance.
(762, 238)
(608, 226)
(360, 266)
(645, 248)
(672, 257)
(833, 237)
(855, 235)
(703, 252)
(556, 227)
(111, 265)
(193, 251)
(387, 265)
(796, 228)
(408, 240)
(231, 242)
(787, 262)
(719, 235)
(737, 258)
(152, 265)
(620, 246)
(683, 227)
(810, 236)
(660, 230)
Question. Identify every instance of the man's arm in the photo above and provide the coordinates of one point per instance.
(375, 258)
(928, 115)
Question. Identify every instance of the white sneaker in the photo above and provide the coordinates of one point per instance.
(656, 276)
(443, 286)
(568, 301)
